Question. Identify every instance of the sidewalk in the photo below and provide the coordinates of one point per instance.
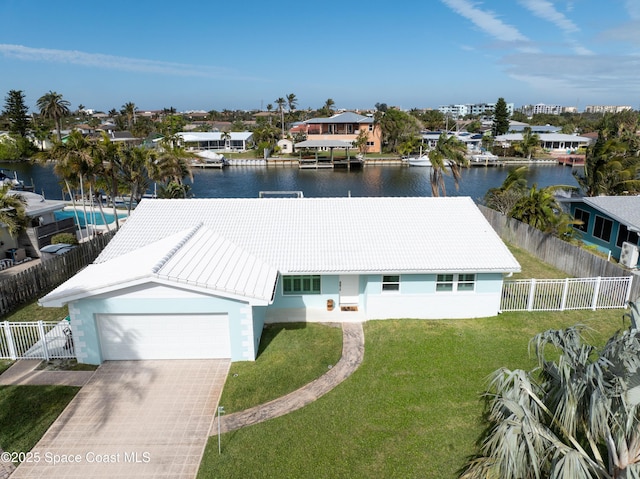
(352, 356)
(23, 373)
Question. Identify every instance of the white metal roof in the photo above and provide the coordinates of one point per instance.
(197, 257)
(331, 235)
(214, 135)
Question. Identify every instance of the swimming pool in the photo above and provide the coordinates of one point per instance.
(94, 217)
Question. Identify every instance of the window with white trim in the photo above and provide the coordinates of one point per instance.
(391, 283)
(455, 282)
(301, 284)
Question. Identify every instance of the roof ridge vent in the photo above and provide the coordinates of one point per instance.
(159, 265)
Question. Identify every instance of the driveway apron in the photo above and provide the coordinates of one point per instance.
(133, 419)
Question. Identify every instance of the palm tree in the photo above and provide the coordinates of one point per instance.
(51, 105)
(134, 173)
(225, 137)
(612, 167)
(12, 211)
(169, 166)
(449, 153)
(574, 416)
(292, 102)
(529, 144)
(281, 102)
(328, 106)
(74, 164)
(505, 197)
(129, 110)
(540, 208)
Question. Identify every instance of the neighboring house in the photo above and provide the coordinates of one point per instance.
(553, 142)
(199, 278)
(345, 127)
(608, 222)
(41, 228)
(214, 140)
(473, 141)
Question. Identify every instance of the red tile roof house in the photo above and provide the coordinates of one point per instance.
(199, 278)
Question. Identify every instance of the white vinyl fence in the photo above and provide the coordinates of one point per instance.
(36, 340)
(563, 294)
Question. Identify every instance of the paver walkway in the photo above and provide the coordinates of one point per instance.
(133, 419)
(352, 355)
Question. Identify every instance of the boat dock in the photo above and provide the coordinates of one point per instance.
(571, 160)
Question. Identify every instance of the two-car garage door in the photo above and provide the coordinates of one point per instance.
(142, 336)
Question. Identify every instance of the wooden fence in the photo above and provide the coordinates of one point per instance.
(567, 257)
(564, 294)
(41, 278)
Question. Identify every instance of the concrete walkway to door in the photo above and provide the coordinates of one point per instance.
(352, 356)
(133, 419)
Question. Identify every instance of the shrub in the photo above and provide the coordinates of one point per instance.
(67, 238)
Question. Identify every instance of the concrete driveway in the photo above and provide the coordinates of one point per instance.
(133, 419)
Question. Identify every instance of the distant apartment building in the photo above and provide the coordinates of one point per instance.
(606, 108)
(475, 109)
(543, 109)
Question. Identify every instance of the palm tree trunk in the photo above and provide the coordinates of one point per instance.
(73, 202)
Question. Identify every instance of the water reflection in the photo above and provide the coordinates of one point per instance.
(383, 180)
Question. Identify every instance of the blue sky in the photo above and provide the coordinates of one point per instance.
(244, 55)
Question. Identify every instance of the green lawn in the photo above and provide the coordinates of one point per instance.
(279, 368)
(26, 412)
(412, 409)
(532, 267)
(33, 312)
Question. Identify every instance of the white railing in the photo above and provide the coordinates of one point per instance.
(36, 340)
(563, 294)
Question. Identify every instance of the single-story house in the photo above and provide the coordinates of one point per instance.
(199, 278)
(216, 140)
(554, 142)
(607, 222)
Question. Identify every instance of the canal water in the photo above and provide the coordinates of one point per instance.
(383, 180)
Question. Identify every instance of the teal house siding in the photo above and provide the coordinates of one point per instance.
(596, 224)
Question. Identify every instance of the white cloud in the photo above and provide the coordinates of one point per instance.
(545, 10)
(489, 23)
(577, 75)
(108, 62)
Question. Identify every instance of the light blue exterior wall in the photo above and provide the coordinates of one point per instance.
(426, 283)
(329, 289)
(259, 314)
(587, 236)
(242, 329)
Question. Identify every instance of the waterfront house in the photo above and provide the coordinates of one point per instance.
(238, 141)
(42, 226)
(199, 278)
(343, 127)
(558, 143)
(607, 222)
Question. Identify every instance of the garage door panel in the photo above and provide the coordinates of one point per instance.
(126, 337)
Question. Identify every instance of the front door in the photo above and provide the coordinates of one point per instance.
(349, 290)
